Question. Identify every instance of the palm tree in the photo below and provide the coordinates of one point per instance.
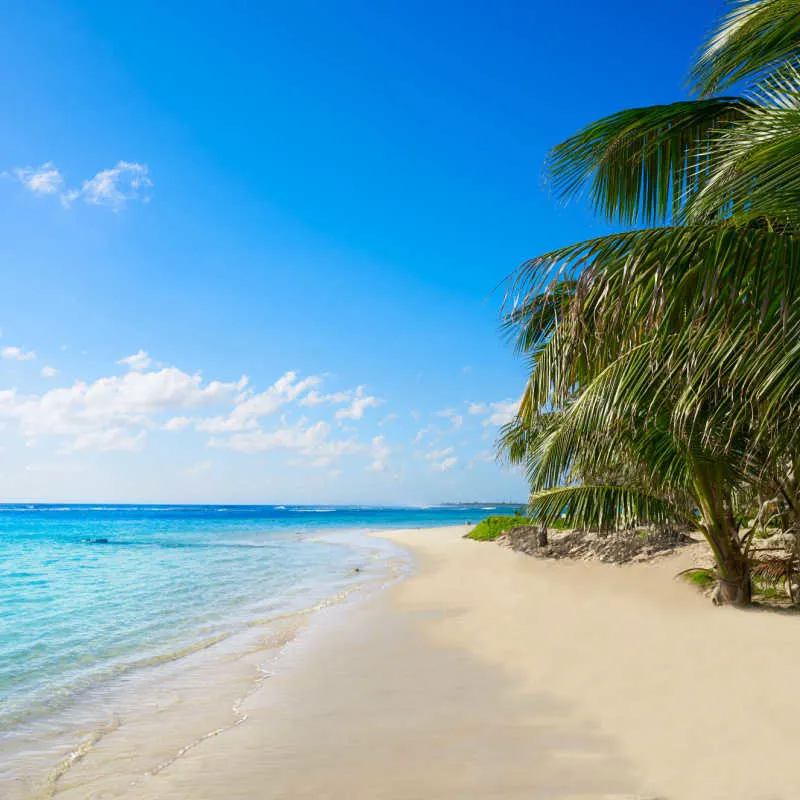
(676, 346)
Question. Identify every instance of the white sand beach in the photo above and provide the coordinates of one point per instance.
(489, 674)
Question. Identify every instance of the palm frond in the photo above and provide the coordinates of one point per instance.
(640, 165)
(754, 167)
(753, 38)
(603, 506)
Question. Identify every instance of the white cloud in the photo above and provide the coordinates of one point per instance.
(437, 455)
(17, 354)
(197, 469)
(40, 180)
(138, 362)
(502, 412)
(498, 413)
(315, 398)
(358, 405)
(251, 407)
(98, 414)
(49, 372)
(482, 457)
(387, 418)
(176, 424)
(379, 453)
(444, 466)
(423, 432)
(302, 438)
(104, 441)
(113, 187)
(456, 420)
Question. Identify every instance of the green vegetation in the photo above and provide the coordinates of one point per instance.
(665, 369)
(769, 589)
(490, 528)
(702, 578)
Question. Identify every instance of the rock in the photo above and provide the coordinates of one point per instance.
(615, 547)
(528, 539)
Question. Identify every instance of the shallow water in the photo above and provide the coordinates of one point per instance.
(94, 598)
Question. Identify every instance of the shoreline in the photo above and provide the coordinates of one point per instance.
(168, 695)
(482, 672)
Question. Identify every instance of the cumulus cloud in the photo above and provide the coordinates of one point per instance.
(17, 354)
(138, 362)
(114, 187)
(45, 179)
(49, 372)
(251, 407)
(302, 438)
(111, 413)
(359, 404)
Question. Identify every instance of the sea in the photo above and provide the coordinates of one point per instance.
(92, 596)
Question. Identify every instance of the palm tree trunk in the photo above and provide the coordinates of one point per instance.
(719, 527)
(734, 585)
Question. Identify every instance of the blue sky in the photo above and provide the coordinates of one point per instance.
(293, 216)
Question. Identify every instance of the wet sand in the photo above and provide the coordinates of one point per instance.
(488, 674)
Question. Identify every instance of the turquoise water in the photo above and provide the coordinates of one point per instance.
(91, 593)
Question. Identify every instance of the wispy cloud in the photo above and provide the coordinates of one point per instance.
(303, 438)
(498, 413)
(456, 420)
(379, 453)
(114, 188)
(423, 432)
(102, 441)
(314, 398)
(45, 179)
(138, 362)
(49, 372)
(17, 354)
(251, 407)
(360, 403)
(437, 455)
(446, 465)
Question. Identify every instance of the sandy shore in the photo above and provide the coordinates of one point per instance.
(488, 674)
(701, 702)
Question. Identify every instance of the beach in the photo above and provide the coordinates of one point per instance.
(485, 673)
